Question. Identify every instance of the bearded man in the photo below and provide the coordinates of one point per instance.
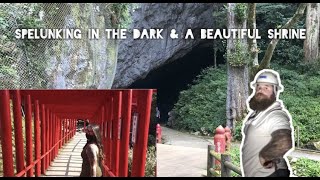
(267, 130)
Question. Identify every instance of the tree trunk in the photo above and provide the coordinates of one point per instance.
(311, 43)
(215, 49)
(252, 43)
(237, 89)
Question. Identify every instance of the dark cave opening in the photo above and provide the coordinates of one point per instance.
(174, 77)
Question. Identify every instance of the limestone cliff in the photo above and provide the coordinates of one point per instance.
(81, 63)
(136, 58)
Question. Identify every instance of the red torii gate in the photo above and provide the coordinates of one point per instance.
(54, 114)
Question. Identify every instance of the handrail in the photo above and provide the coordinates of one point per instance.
(226, 165)
(24, 171)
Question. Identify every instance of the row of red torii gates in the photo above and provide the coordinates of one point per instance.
(54, 113)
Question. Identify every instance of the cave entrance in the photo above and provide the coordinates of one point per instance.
(170, 79)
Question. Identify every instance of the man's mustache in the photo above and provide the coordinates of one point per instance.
(260, 94)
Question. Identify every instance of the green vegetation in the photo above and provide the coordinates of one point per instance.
(302, 99)
(239, 57)
(16, 53)
(120, 17)
(24, 61)
(304, 167)
(241, 10)
(301, 167)
(202, 106)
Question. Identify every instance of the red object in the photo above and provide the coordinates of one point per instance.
(54, 114)
(37, 138)
(18, 130)
(6, 136)
(140, 147)
(29, 143)
(47, 137)
(159, 133)
(219, 143)
(228, 134)
(125, 132)
(43, 138)
(115, 129)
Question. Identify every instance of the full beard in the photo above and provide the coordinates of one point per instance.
(261, 104)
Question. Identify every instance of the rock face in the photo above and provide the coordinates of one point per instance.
(137, 57)
(82, 63)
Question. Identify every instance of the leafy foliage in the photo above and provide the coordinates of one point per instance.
(302, 99)
(301, 167)
(239, 55)
(151, 162)
(13, 51)
(235, 159)
(241, 11)
(8, 77)
(273, 16)
(120, 14)
(304, 167)
(202, 107)
(237, 135)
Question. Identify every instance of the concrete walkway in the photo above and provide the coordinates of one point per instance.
(68, 162)
(181, 155)
(179, 161)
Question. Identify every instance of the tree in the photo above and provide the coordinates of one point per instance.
(311, 43)
(238, 50)
(265, 62)
(237, 67)
(218, 14)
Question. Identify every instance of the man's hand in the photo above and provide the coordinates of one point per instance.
(266, 164)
